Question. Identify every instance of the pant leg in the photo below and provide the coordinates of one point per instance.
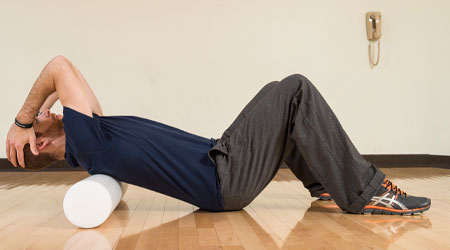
(293, 114)
(248, 108)
(301, 170)
(294, 160)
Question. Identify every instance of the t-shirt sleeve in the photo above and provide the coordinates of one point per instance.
(82, 132)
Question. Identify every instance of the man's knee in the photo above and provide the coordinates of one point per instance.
(296, 78)
(294, 82)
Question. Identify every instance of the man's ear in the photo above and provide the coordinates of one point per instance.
(42, 143)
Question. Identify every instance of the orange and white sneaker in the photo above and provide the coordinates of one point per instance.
(389, 199)
(324, 197)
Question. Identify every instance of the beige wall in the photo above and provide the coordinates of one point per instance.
(195, 64)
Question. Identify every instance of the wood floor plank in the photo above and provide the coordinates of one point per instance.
(168, 237)
(207, 235)
(262, 230)
(278, 227)
(188, 235)
(244, 231)
(227, 236)
(148, 238)
(130, 234)
(203, 219)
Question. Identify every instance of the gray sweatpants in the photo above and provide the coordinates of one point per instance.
(291, 121)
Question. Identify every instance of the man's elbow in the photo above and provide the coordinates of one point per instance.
(60, 60)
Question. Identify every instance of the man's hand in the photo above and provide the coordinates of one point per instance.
(16, 140)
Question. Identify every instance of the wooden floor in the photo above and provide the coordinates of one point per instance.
(282, 217)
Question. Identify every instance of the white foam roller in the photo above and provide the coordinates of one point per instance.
(89, 202)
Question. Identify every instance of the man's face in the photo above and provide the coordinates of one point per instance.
(48, 124)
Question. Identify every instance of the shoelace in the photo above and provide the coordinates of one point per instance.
(390, 186)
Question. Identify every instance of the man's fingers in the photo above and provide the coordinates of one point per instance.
(7, 149)
(20, 157)
(34, 149)
(12, 156)
(33, 146)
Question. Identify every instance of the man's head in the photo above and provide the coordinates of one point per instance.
(50, 141)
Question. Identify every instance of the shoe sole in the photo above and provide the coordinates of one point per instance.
(380, 210)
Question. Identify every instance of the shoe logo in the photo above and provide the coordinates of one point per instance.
(387, 201)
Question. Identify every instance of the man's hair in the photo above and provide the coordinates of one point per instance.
(37, 162)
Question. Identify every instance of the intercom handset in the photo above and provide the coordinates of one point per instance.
(373, 23)
(373, 26)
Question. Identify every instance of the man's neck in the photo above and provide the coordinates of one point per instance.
(60, 145)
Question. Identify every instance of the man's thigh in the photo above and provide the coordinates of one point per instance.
(249, 107)
(257, 144)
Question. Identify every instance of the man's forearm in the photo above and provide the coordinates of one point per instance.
(49, 102)
(42, 88)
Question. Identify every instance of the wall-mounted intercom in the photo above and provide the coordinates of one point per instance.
(373, 26)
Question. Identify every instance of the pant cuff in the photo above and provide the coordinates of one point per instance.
(371, 189)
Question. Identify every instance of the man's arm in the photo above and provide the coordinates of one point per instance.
(41, 89)
(59, 76)
(18, 137)
(49, 102)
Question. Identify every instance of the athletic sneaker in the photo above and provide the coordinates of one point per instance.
(389, 199)
(324, 197)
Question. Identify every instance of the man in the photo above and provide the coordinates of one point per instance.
(286, 121)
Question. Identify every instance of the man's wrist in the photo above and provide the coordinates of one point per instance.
(26, 115)
(22, 125)
(24, 119)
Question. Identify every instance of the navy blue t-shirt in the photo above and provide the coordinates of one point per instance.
(145, 153)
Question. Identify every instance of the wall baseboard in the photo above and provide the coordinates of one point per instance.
(417, 160)
(382, 161)
(6, 166)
